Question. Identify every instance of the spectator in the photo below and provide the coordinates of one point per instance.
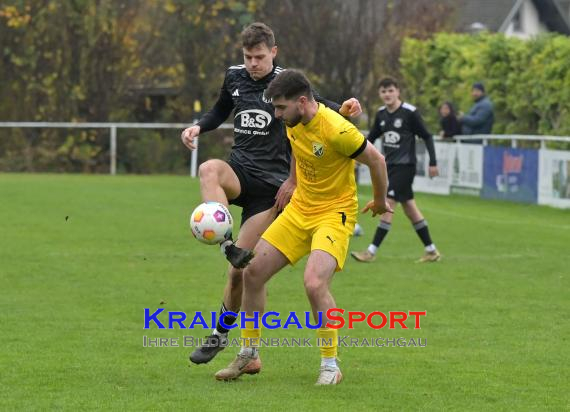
(480, 118)
(448, 120)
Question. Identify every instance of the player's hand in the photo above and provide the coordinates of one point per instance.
(433, 171)
(377, 208)
(189, 136)
(350, 108)
(284, 194)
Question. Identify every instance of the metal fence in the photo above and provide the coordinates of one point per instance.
(113, 129)
(534, 172)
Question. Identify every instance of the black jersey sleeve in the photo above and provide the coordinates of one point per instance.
(375, 132)
(329, 103)
(419, 129)
(219, 113)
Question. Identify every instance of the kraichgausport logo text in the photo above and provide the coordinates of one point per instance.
(334, 319)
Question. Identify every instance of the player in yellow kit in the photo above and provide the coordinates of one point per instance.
(320, 217)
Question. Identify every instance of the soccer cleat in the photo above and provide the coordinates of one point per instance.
(329, 376)
(238, 257)
(364, 256)
(240, 365)
(430, 257)
(209, 349)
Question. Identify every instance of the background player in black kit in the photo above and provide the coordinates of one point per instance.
(256, 177)
(398, 123)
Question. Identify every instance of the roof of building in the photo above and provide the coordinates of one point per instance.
(496, 14)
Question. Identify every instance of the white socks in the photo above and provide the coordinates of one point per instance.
(217, 333)
(224, 244)
(330, 362)
(430, 248)
(249, 352)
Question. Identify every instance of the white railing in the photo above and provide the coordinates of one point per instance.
(512, 137)
(113, 134)
(504, 172)
(113, 128)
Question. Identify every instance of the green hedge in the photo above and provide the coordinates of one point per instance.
(527, 80)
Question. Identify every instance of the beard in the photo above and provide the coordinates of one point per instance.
(294, 121)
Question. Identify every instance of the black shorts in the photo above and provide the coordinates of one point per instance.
(256, 195)
(400, 180)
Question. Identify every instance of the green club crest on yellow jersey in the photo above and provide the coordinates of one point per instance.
(318, 149)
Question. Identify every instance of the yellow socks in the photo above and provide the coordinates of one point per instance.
(327, 340)
(250, 335)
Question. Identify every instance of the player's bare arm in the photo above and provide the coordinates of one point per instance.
(379, 175)
(350, 108)
(433, 171)
(189, 136)
(287, 188)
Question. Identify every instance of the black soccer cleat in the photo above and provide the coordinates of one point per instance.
(210, 347)
(238, 257)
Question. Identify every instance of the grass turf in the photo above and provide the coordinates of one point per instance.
(82, 256)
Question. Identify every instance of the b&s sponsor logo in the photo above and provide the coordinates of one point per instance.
(391, 138)
(254, 118)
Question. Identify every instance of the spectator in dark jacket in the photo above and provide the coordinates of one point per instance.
(448, 121)
(480, 118)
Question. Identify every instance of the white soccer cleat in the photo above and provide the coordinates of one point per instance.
(241, 364)
(430, 257)
(329, 376)
(364, 256)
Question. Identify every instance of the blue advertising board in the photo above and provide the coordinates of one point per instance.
(510, 174)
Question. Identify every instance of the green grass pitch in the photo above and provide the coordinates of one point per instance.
(82, 256)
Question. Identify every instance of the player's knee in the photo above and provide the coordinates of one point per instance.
(208, 170)
(252, 276)
(314, 287)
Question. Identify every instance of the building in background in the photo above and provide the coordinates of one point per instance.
(519, 18)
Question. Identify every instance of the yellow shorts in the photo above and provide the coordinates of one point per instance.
(296, 235)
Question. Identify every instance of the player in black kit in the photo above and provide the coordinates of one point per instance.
(398, 123)
(256, 177)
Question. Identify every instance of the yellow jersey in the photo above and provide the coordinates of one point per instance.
(324, 150)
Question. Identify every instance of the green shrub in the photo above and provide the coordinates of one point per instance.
(527, 80)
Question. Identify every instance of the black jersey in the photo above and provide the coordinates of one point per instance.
(260, 141)
(398, 131)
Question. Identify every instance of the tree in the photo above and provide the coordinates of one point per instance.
(205, 37)
(69, 61)
(347, 46)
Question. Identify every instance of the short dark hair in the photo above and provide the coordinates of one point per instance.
(289, 84)
(257, 33)
(479, 85)
(387, 82)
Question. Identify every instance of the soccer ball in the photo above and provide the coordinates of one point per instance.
(211, 222)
